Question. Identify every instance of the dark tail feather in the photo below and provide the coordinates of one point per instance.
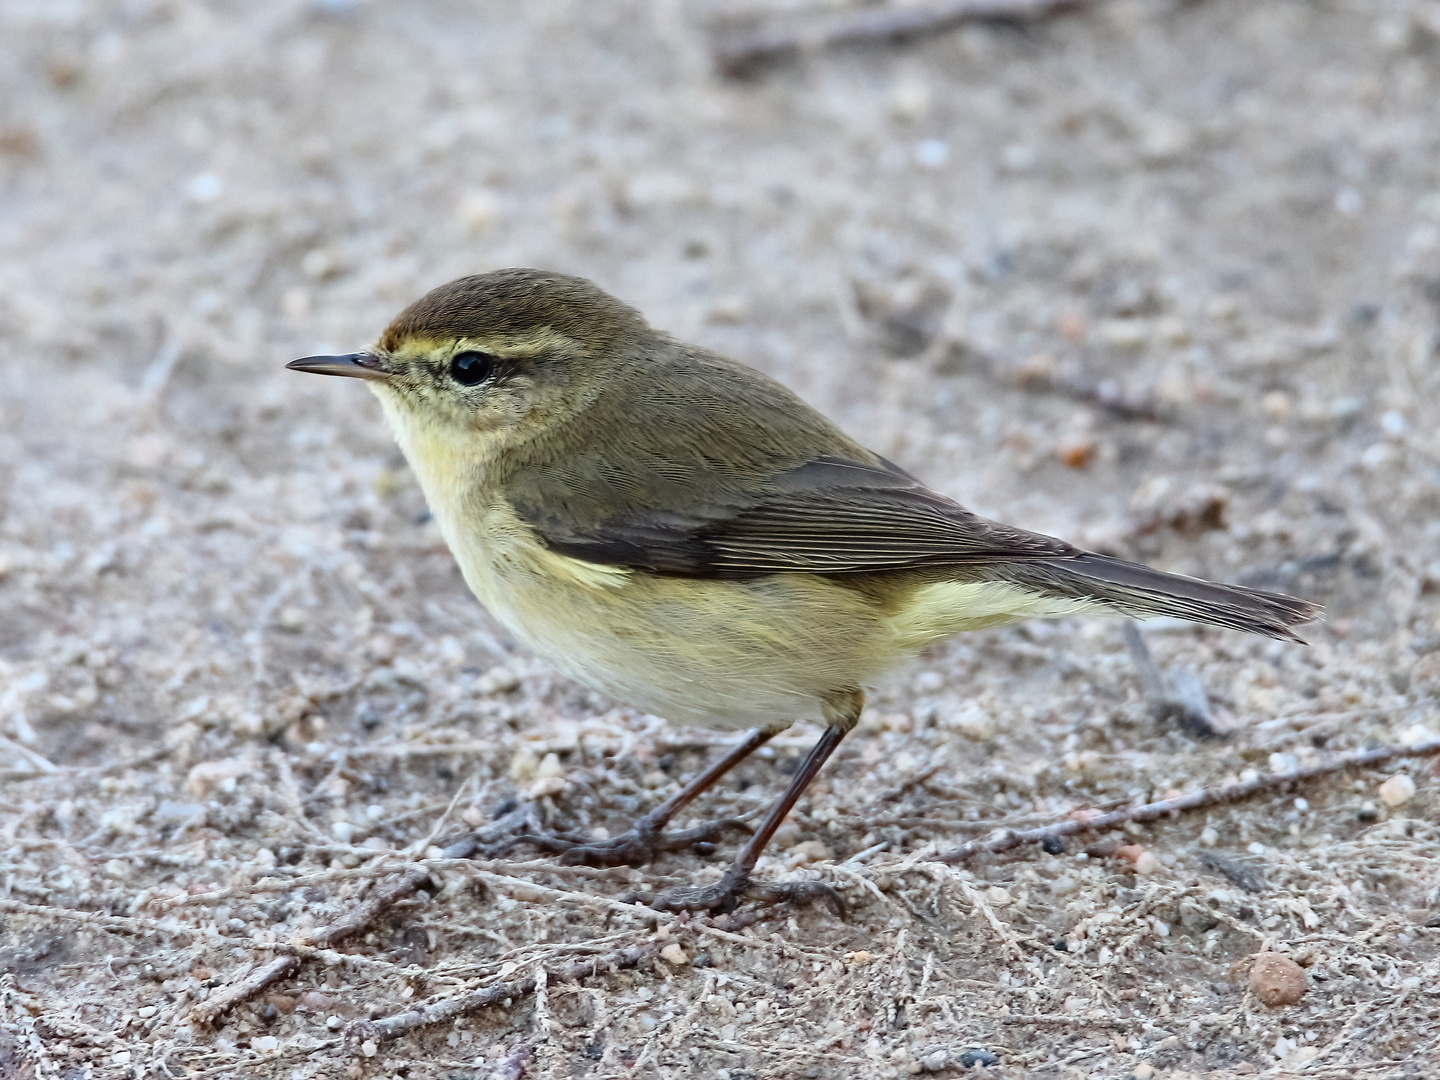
(1141, 592)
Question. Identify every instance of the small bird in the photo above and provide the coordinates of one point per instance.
(684, 534)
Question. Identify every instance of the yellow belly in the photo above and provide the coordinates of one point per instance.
(758, 653)
(753, 653)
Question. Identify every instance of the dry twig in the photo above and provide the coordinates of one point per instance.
(745, 55)
(443, 1009)
(119, 924)
(1107, 396)
(1178, 696)
(349, 924)
(357, 919)
(1001, 930)
(253, 982)
(1090, 821)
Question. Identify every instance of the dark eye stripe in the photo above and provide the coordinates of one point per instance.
(472, 368)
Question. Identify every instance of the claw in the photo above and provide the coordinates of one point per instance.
(550, 844)
(798, 893)
(727, 893)
(628, 849)
(637, 847)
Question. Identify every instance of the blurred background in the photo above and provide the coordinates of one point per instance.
(1159, 277)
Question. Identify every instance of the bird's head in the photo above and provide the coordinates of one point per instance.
(492, 360)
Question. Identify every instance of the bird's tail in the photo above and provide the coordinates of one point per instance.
(1131, 589)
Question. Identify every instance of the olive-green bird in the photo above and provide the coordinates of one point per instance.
(684, 534)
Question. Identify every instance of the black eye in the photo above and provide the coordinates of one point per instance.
(470, 368)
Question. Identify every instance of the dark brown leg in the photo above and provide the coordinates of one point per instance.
(726, 892)
(645, 840)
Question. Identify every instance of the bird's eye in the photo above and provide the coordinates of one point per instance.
(471, 368)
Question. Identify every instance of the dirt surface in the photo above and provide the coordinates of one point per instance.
(1161, 278)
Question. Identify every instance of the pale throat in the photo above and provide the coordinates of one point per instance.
(450, 464)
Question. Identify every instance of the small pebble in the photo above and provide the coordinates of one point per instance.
(1282, 763)
(1276, 404)
(1277, 980)
(1125, 333)
(674, 955)
(207, 775)
(478, 210)
(1397, 791)
(1063, 885)
(1143, 1071)
(547, 785)
(318, 264)
(728, 310)
(809, 851)
(1076, 453)
(929, 682)
(1143, 860)
(265, 1044)
(1346, 408)
(909, 102)
(523, 765)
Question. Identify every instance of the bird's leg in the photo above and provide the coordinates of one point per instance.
(842, 710)
(645, 839)
(735, 883)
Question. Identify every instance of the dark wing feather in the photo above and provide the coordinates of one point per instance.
(828, 516)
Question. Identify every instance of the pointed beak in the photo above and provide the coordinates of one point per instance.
(354, 365)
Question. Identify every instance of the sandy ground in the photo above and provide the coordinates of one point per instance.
(1158, 277)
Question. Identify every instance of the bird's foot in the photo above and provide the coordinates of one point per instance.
(727, 893)
(634, 848)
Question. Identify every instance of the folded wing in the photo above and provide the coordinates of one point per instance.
(837, 517)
